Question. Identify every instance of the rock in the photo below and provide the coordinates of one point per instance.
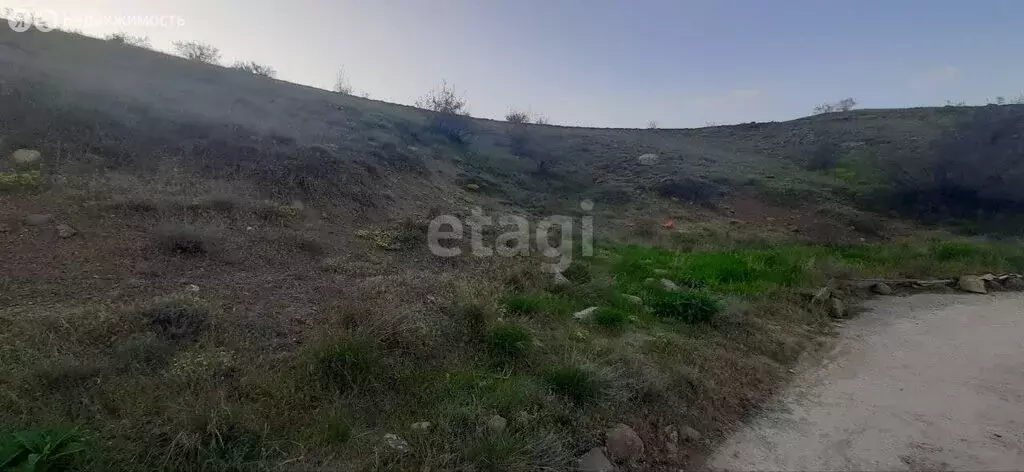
(397, 444)
(65, 231)
(26, 158)
(836, 308)
(422, 426)
(585, 313)
(689, 434)
(634, 299)
(595, 461)
(881, 288)
(193, 288)
(38, 220)
(561, 280)
(987, 277)
(1013, 283)
(822, 295)
(669, 285)
(971, 284)
(473, 187)
(648, 159)
(496, 425)
(671, 437)
(624, 444)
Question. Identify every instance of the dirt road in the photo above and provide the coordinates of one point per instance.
(928, 382)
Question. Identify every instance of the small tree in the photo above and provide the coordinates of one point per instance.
(129, 40)
(197, 51)
(845, 104)
(253, 67)
(341, 83)
(652, 124)
(449, 116)
(517, 117)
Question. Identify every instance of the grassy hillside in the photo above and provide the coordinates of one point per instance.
(212, 270)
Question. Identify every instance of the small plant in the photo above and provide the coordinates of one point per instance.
(611, 318)
(517, 117)
(508, 342)
(253, 67)
(449, 118)
(177, 318)
(845, 104)
(344, 365)
(688, 306)
(578, 384)
(197, 51)
(129, 40)
(522, 304)
(40, 450)
(341, 83)
(652, 124)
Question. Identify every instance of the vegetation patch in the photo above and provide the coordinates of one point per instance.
(509, 342)
(177, 318)
(574, 382)
(689, 306)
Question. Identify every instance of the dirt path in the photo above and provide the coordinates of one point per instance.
(919, 383)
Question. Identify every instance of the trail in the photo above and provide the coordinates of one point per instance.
(927, 382)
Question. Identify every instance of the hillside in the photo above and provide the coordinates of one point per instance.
(211, 270)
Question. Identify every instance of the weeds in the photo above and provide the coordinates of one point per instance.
(688, 306)
(509, 343)
(612, 318)
(184, 240)
(576, 383)
(177, 318)
(40, 450)
(344, 365)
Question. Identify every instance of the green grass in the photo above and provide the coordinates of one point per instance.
(612, 318)
(576, 383)
(177, 318)
(508, 342)
(536, 303)
(689, 306)
(344, 365)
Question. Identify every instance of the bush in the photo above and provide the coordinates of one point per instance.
(688, 306)
(449, 116)
(341, 84)
(845, 104)
(129, 40)
(521, 304)
(255, 68)
(517, 117)
(578, 384)
(508, 342)
(197, 51)
(177, 318)
(40, 450)
(611, 317)
(344, 365)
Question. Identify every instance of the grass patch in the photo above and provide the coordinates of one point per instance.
(612, 318)
(177, 318)
(689, 306)
(575, 383)
(535, 303)
(509, 342)
(345, 365)
(184, 240)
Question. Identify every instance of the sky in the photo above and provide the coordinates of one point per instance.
(608, 63)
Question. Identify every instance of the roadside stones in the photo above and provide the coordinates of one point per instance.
(971, 284)
(624, 444)
(585, 313)
(595, 461)
(881, 288)
(836, 308)
(496, 425)
(648, 159)
(1013, 283)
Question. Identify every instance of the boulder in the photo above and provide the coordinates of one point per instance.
(634, 299)
(822, 296)
(66, 231)
(1013, 283)
(971, 284)
(496, 425)
(669, 285)
(38, 220)
(881, 288)
(396, 444)
(26, 158)
(648, 159)
(689, 434)
(421, 427)
(585, 313)
(595, 461)
(836, 308)
(561, 280)
(623, 444)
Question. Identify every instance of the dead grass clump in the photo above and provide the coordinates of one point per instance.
(182, 239)
(177, 318)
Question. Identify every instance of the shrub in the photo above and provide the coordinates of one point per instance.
(611, 317)
(576, 383)
(688, 306)
(177, 318)
(508, 342)
(845, 104)
(253, 67)
(184, 240)
(341, 83)
(197, 51)
(449, 117)
(129, 40)
(344, 365)
(522, 304)
(40, 450)
(652, 124)
(517, 117)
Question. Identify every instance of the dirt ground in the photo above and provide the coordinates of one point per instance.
(926, 382)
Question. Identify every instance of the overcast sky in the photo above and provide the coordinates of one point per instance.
(612, 63)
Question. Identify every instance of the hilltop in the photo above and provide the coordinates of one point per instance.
(213, 270)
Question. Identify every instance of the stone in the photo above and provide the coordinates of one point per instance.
(38, 220)
(822, 296)
(595, 461)
(585, 313)
(881, 288)
(648, 159)
(987, 277)
(671, 437)
(26, 158)
(473, 187)
(634, 299)
(561, 280)
(836, 308)
(971, 284)
(396, 444)
(193, 288)
(65, 231)
(689, 434)
(623, 444)
(497, 424)
(1013, 283)
(422, 426)
(669, 285)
